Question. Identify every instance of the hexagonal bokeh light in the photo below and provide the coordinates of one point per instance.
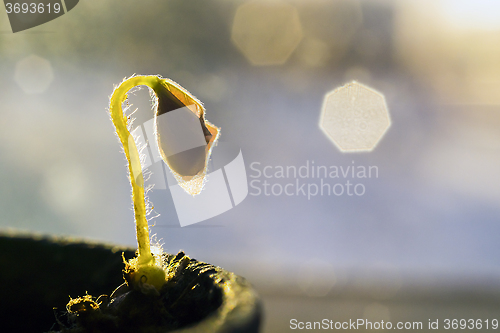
(354, 117)
(33, 74)
(266, 32)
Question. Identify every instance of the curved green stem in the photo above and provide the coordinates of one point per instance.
(134, 165)
(145, 269)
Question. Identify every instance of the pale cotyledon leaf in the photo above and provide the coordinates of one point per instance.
(184, 137)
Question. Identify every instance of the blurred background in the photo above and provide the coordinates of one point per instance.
(424, 232)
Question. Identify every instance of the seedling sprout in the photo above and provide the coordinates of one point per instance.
(146, 270)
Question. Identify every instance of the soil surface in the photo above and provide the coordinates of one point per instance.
(40, 276)
(190, 296)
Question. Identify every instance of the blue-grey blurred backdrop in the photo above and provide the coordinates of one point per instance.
(433, 211)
